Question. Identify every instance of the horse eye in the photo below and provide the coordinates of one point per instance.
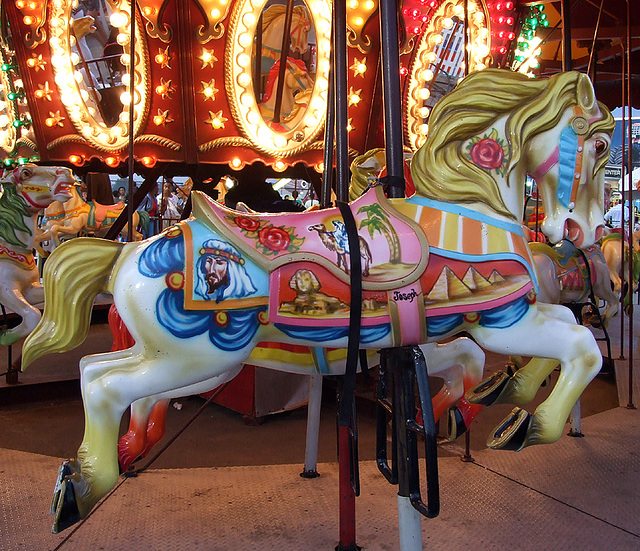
(601, 147)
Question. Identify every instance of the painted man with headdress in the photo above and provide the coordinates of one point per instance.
(221, 273)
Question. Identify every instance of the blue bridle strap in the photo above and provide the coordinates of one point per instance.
(567, 156)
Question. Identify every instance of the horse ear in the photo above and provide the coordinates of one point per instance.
(585, 92)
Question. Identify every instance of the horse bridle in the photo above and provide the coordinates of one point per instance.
(568, 155)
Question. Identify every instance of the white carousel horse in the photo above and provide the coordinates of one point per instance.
(618, 269)
(216, 285)
(565, 278)
(298, 83)
(26, 192)
(82, 216)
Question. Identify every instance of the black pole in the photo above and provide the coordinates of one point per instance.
(329, 135)
(630, 236)
(284, 56)
(624, 137)
(391, 97)
(340, 80)
(566, 35)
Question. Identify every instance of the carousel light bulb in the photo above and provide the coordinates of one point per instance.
(253, 118)
(149, 11)
(437, 39)
(125, 98)
(358, 21)
(427, 75)
(148, 161)
(122, 39)
(424, 129)
(459, 10)
(447, 23)
(236, 163)
(28, 20)
(75, 159)
(111, 161)
(215, 13)
(244, 60)
(424, 112)
(118, 19)
(126, 58)
(158, 120)
(50, 122)
(20, 4)
(279, 141)
(39, 94)
(353, 4)
(161, 89)
(84, 94)
(75, 58)
(249, 19)
(279, 166)
(244, 79)
(206, 57)
(431, 57)
(245, 40)
(369, 4)
(31, 62)
(424, 93)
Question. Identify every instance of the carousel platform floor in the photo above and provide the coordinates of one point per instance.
(227, 486)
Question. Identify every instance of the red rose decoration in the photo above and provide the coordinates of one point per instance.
(487, 153)
(248, 224)
(274, 239)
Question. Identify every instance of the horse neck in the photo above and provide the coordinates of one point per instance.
(75, 201)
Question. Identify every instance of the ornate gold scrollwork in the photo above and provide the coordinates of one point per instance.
(156, 28)
(214, 11)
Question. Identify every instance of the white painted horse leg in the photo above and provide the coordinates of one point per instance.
(576, 350)
(14, 299)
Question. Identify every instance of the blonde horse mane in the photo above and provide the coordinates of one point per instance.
(75, 273)
(440, 169)
(275, 11)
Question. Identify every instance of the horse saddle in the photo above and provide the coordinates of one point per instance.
(393, 248)
(98, 213)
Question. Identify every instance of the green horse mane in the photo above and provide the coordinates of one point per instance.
(13, 216)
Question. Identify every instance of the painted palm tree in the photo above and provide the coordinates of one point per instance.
(378, 221)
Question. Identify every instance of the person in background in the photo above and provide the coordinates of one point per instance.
(121, 195)
(613, 218)
(170, 205)
(150, 204)
(99, 188)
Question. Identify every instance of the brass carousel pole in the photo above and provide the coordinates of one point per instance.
(132, 66)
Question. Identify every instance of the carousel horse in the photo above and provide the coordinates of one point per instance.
(296, 93)
(619, 269)
(26, 192)
(273, 20)
(459, 363)
(82, 216)
(216, 285)
(564, 276)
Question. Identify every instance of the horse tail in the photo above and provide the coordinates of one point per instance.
(75, 273)
(144, 218)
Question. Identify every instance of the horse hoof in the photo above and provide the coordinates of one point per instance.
(488, 391)
(512, 432)
(455, 425)
(64, 506)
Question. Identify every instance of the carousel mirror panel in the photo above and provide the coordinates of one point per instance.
(91, 53)
(277, 87)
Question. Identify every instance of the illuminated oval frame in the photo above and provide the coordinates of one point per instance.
(239, 84)
(98, 134)
(479, 59)
(9, 135)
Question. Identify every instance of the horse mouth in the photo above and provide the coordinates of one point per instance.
(573, 232)
(63, 188)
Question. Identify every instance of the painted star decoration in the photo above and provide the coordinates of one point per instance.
(354, 96)
(162, 118)
(36, 62)
(216, 120)
(55, 119)
(359, 67)
(44, 91)
(209, 90)
(207, 58)
(165, 88)
(163, 58)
